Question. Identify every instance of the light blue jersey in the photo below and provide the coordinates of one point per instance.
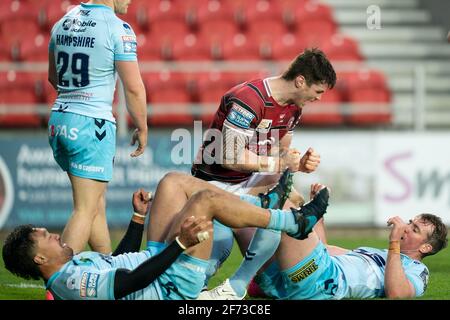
(90, 275)
(356, 274)
(364, 269)
(86, 42)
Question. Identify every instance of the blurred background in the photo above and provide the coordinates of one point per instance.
(383, 131)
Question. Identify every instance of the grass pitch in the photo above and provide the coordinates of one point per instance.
(14, 288)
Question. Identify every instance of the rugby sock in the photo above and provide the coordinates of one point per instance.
(222, 245)
(262, 247)
(251, 199)
(282, 220)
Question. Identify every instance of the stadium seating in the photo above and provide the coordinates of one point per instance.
(35, 49)
(169, 99)
(326, 111)
(205, 30)
(18, 93)
(314, 23)
(369, 98)
(340, 47)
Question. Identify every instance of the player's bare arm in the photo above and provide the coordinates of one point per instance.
(396, 283)
(136, 102)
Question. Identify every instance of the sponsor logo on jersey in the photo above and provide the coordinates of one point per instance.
(240, 117)
(264, 125)
(84, 13)
(88, 285)
(129, 44)
(127, 28)
(304, 272)
(76, 25)
(424, 275)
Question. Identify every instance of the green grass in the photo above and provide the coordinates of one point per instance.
(438, 287)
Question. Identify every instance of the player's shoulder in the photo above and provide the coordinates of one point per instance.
(120, 25)
(249, 94)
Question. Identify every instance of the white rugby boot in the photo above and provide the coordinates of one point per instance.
(221, 292)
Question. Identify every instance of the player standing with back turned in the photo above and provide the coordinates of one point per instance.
(87, 46)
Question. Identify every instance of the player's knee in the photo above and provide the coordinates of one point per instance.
(205, 197)
(173, 179)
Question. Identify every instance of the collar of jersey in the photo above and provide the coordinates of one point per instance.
(91, 5)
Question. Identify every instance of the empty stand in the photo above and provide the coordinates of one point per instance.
(327, 111)
(341, 47)
(169, 98)
(369, 97)
(18, 94)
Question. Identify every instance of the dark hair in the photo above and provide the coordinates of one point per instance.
(314, 66)
(18, 253)
(438, 238)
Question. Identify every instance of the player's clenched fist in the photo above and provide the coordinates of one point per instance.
(309, 162)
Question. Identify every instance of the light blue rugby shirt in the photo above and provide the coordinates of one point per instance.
(90, 276)
(364, 269)
(86, 42)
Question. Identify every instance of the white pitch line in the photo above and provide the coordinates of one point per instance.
(24, 285)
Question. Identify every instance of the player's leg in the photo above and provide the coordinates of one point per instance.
(100, 240)
(86, 196)
(263, 243)
(84, 147)
(172, 193)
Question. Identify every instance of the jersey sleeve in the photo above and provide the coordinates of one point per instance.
(418, 275)
(85, 284)
(124, 42)
(245, 110)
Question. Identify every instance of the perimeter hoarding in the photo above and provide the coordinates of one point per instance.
(33, 189)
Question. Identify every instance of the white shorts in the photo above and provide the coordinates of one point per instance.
(244, 186)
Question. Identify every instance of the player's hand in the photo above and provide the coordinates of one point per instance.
(398, 228)
(315, 187)
(291, 160)
(310, 161)
(190, 228)
(141, 137)
(141, 201)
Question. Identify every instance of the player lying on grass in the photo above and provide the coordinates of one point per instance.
(310, 269)
(183, 206)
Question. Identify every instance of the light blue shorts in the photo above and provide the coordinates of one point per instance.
(184, 279)
(83, 146)
(315, 277)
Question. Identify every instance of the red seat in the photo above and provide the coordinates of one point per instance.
(16, 30)
(216, 18)
(326, 111)
(18, 95)
(5, 53)
(369, 97)
(137, 15)
(343, 48)
(314, 23)
(169, 98)
(240, 47)
(287, 47)
(264, 17)
(167, 17)
(191, 47)
(36, 49)
(153, 47)
(55, 10)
